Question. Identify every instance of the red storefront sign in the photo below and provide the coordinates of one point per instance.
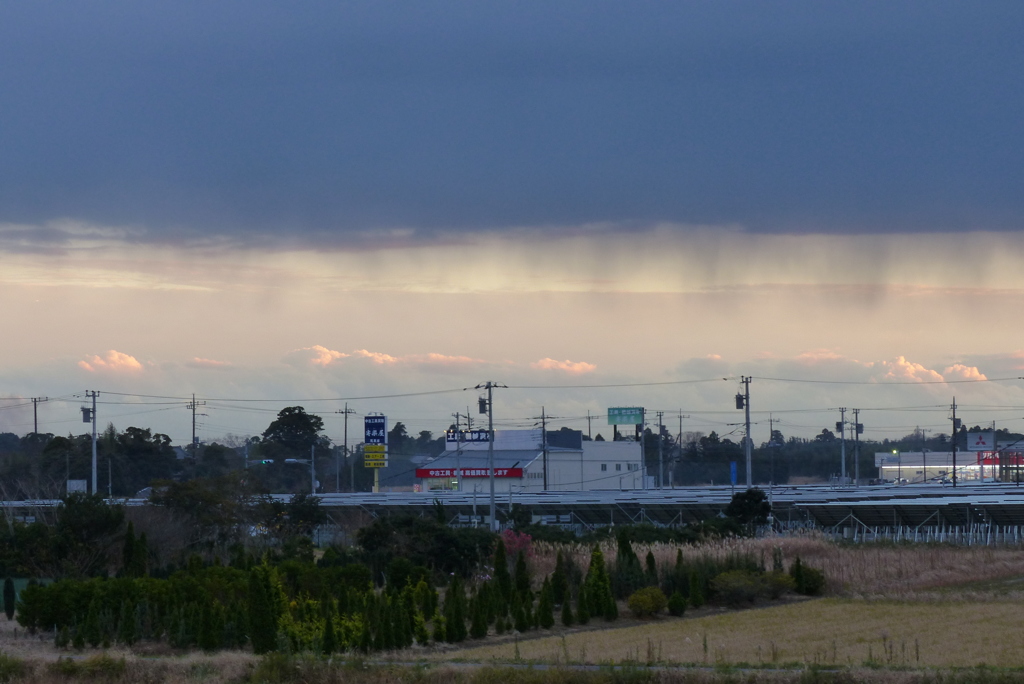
(1012, 458)
(468, 472)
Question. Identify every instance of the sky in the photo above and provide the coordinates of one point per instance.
(594, 203)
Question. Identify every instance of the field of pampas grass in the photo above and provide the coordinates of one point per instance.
(840, 633)
(857, 570)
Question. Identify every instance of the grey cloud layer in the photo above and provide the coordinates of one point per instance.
(267, 121)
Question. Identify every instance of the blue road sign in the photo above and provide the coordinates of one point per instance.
(375, 429)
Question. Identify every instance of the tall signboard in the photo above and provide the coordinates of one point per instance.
(628, 415)
(375, 441)
(981, 441)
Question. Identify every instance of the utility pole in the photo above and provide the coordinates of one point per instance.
(35, 413)
(679, 450)
(91, 414)
(195, 444)
(589, 418)
(344, 455)
(743, 402)
(841, 429)
(857, 429)
(544, 444)
(458, 451)
(661, 454)
(489, 406)
(956, 427)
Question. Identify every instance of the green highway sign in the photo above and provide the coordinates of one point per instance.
(626, 415)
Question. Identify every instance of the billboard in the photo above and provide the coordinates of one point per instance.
(375, 436)
(468, 472)
(626, 415)
(375, 429)
(981, 441)
(457, 436)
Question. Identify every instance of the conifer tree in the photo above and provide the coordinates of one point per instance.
(420, 630)
(385, 625)
(91, 628)
(126, 633)
(263, 609)
(680, 579)
(559, 581)
(502, 577)
(10, 598)
(628, 576)
(601, 601)
(329, 641)
(522, 578)
(696, 589)
(455, 612)
(365, 637)
(521, 623)
(78, 638)
(440, 628)
(478, 617)
(797, 573)
(208, 636)
(582, 605)
(546, 606)
(651, 570)
(568, 619)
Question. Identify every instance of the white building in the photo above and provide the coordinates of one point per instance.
(909, 467)
(524, 461)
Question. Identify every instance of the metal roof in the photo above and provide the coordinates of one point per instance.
(503, 458)
(995, 504)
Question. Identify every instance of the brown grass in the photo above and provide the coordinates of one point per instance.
(889, 571)
(826, 632)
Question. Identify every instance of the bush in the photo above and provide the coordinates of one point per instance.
(779, 583)
(676, 604)
(807, 581)
(11, 668)
(737, 587)
(647, 601)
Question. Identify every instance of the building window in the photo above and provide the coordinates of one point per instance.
(604, 467)
(618, 466)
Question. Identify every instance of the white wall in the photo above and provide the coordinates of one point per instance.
(576, 471)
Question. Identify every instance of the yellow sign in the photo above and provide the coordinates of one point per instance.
(375, 463)
(370, 449)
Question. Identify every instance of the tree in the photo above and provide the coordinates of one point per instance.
(9, 598)
(264, 608)
(86, 531)
(294, 430)
(826, 436)
(750, 507)
(217, 511)
(546, 606)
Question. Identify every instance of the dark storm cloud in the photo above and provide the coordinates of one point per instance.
(259, 120)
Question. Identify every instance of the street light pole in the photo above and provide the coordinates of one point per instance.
(489, 386)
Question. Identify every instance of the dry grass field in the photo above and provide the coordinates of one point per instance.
(872, 571)
(827, 632)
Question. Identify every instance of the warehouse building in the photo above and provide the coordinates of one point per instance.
(533, 461)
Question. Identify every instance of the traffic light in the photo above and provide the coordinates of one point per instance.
(739, 401)
(266, 461)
